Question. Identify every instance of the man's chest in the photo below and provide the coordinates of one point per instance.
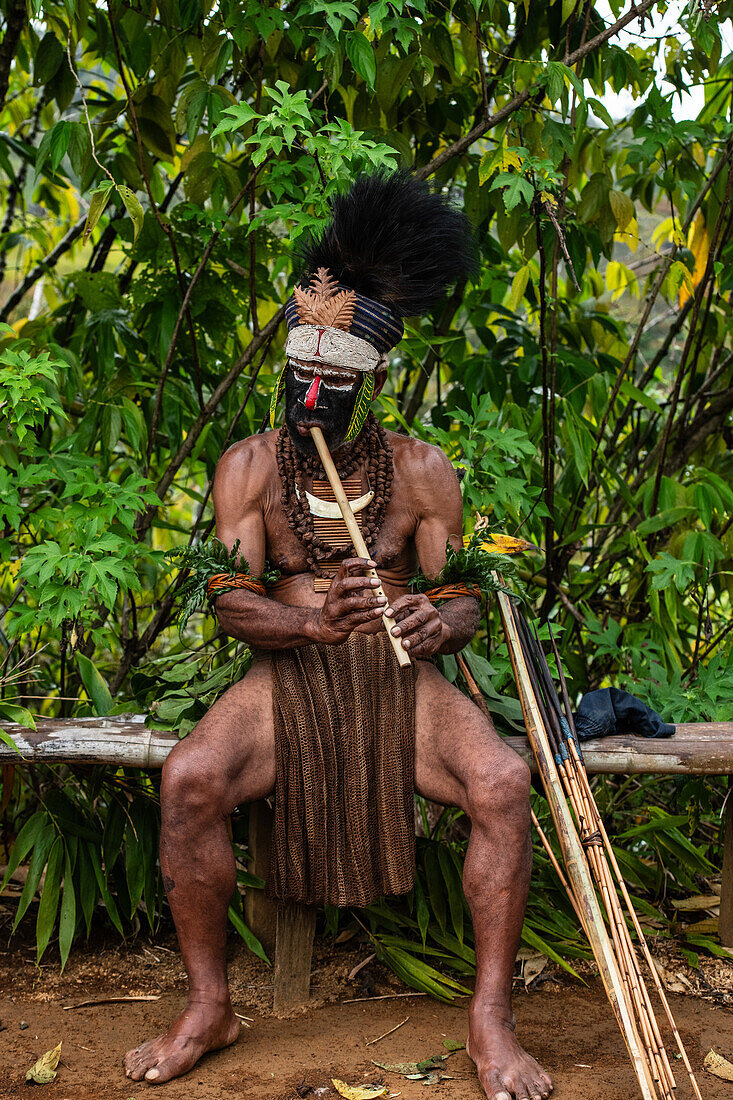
(393, 547)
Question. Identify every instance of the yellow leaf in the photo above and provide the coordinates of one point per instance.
(503, 544)
(500, 160)
(721, 1067)
(622, 207)
(44, 1070)
(358, 1092)
(698, 243)
(629, 235)
(664, 232)
(519, 285)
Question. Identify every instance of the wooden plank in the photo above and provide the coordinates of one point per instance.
(725, 920)
(296, 925)
(260, 912)
(121, 740)
(704, 748)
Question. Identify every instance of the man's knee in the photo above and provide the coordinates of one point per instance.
(192, 784)
(497, 793)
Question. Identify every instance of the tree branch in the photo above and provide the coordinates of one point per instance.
(489, 123)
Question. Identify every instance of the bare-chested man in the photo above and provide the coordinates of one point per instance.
(230, 757)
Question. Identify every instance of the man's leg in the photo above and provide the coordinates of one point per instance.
(461, 761)
(227, 759)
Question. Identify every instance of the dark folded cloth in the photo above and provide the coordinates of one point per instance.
(610, 710)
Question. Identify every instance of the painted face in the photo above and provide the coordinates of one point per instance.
(322, 396)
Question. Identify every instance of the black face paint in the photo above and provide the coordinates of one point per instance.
(331, 413)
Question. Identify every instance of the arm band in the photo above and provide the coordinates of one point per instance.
(453, 592)
(220, 583)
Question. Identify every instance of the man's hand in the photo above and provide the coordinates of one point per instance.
(350, 602)
(421, 627)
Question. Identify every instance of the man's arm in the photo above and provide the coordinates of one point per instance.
(424, 629)
(239, 489)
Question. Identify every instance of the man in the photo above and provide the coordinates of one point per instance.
(325, 707)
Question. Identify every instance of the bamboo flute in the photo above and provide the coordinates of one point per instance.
(357, 538)
(573, 854)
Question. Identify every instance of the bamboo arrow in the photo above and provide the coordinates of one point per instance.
(573, 854)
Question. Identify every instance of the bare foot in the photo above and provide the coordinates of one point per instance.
(506, 1072)
(202, 1026)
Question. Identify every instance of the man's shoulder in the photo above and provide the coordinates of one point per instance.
(418, 461)
(250, 460)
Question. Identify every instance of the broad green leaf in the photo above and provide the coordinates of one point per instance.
(67, 917)
(133, 207)
(49, 903)
(15, 713)
(24, 841)
(100, 198)
(361, 56)
(95, 685)
(247, 935)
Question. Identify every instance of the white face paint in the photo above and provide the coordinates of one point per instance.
(335, 378)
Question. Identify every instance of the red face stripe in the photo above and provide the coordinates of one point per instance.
(312, 396)
(321, 333)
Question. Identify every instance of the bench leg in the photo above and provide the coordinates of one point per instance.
(285, 931)
(296, 925)
(725, 921)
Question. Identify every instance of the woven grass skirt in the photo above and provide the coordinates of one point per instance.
(344, 831)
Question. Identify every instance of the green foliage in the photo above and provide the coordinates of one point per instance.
(582, 383)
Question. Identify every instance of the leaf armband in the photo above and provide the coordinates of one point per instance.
(453, 591)
(214, 570)
(470, 571)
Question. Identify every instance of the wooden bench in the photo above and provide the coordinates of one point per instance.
(286, 932)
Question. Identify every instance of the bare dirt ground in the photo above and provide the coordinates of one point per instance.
(568, 1026)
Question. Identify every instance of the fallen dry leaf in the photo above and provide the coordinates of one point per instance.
(699, 901)
(720, 1066)
(532, 968)
(358, 1092)
(44, 1069)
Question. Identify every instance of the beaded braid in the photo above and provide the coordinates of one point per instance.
(370, 448)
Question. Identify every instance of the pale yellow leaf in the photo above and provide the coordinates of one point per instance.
(519, 285)
(721, 1067)
(358, 1092)
(622, 207)
(699, 244)
(44, 1070)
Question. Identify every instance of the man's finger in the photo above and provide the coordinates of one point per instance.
(362, 603)
(348, 585)
(412, 622)
(352, 565)
(403, 603)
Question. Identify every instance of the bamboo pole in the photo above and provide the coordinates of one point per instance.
(357, 538)
(573, 854)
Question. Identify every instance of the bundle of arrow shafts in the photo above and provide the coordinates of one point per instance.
(552, 734)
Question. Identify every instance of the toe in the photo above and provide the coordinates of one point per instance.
(495, 1088)
(174, 1066)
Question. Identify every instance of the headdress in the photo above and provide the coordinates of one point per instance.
(390, 250)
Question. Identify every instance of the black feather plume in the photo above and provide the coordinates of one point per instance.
(394, 240)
